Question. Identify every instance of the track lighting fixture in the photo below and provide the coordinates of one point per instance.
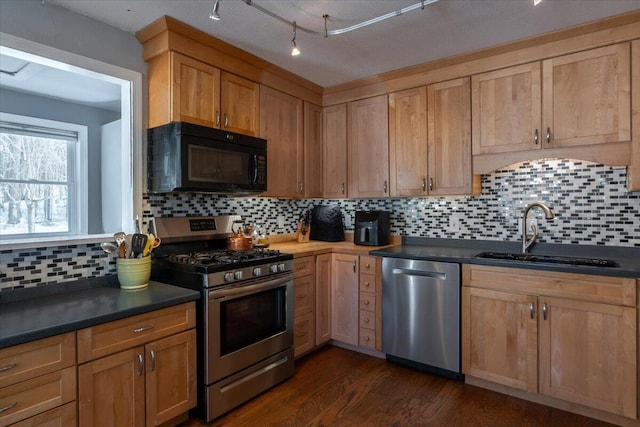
(294, 48)
(214, 11)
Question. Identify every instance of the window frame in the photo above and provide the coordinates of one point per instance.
(131, 83)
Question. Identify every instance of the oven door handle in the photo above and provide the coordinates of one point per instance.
(240, 290)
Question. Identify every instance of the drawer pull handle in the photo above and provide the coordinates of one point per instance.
(366, 339)
(366, 284)
(299, 298)
(301, 334)
(532, 309)
(544, 311)
(6, 368)
(366, 302)
(140, 364)
(368, 265)
(142, 329)
(9, 406)
(153, 360)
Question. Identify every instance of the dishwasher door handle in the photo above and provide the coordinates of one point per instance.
(419, 273)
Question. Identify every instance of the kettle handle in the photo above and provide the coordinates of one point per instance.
(233, 228)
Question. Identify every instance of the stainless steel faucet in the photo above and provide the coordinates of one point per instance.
(527, 242)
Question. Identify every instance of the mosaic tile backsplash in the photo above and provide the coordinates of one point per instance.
(590, 202)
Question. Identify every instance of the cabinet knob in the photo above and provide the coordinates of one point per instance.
(384, 187)
(535, 137)
(300, 186)
(366, 320)
(531, 309)
(430, 184)
(366, 338)
(354, 266)
(548, 135)
(424, 184)
(366, 302)
(342, 188)
(366, 284)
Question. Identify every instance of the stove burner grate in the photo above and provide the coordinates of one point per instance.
(222, 256)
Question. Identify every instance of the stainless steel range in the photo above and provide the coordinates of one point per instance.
(245, 314)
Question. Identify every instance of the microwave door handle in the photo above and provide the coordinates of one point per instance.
(254, 169)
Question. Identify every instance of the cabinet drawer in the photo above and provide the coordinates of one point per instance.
(303, 266)
(303, 295)
(367, 264)
(29, 360)
(367, 301)
(303, 334)
(367, 283)
(37, 395)
(367, 338)
(64, 416)
(367, 319)
(111, 337)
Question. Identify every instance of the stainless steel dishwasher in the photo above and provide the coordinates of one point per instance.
(421, 314)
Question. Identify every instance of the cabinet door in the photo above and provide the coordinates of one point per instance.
(312, 150)
(195, 90)
(111, 390)
(303, 334)
(408, 142)
(334, 154)
(588, 354)
(281, 124)
(304, 294)
(171, 377)
(506, 109)
(239, 104)
(323, 298)
(499, 337)
(449, 136)
(586, 97)
(368, 144)
(344, 298)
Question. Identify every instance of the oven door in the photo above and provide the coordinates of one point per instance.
(248, 322)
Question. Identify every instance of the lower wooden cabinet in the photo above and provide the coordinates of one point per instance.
(566, 336)
(62, 416)
(323, 298)
(148, 384)
(304, 296)
(38, 379)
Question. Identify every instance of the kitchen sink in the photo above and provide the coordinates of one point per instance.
(554, 259)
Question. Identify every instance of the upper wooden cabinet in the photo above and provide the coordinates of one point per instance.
(239, 105)
(281, 124)
(368, 147)
(586, 97)
(430, 140)
(572, 100)
(334, 152)
(506, 109)
(408, 142)
(449, 136)
(184, 89)
(312, 150)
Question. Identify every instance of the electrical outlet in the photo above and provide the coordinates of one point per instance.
(454, 222)
(347, 220)
(280, 221)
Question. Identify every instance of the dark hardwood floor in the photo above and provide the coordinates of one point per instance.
(337, 387)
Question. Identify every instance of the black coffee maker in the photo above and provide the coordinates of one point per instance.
(372, 228)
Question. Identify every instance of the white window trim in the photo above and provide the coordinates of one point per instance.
(79, 210)
(132, 118)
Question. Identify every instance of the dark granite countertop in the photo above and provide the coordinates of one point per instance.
(34, 313)
(464, 252)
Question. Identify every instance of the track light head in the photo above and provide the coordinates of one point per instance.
(294, 47)
(214, 11)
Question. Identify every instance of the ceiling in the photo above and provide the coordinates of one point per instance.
(442, 29)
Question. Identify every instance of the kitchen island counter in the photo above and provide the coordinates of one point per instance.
(34, 313)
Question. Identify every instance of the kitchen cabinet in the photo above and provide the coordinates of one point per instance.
(408, 143)
(356, 300)
(370, 303)
(281, 124)
(570, 100)
(344, 298)
(368, 148)
(334, 153)
(184, 89)
(38, 381)
(449, 139)
(567, 336)
(312, 150)
(430, 141)
(138, 371)
(323, 298)
(304, 285)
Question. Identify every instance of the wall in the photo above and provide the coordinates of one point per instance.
(590, 201)
(45, 108)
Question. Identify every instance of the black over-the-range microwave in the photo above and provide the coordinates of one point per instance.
(188, 157)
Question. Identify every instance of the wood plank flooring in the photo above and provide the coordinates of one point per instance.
(338, 387)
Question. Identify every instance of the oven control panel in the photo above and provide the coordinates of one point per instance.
(236, 275)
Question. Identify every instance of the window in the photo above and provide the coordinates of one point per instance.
(84, 195)
(43, 165)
